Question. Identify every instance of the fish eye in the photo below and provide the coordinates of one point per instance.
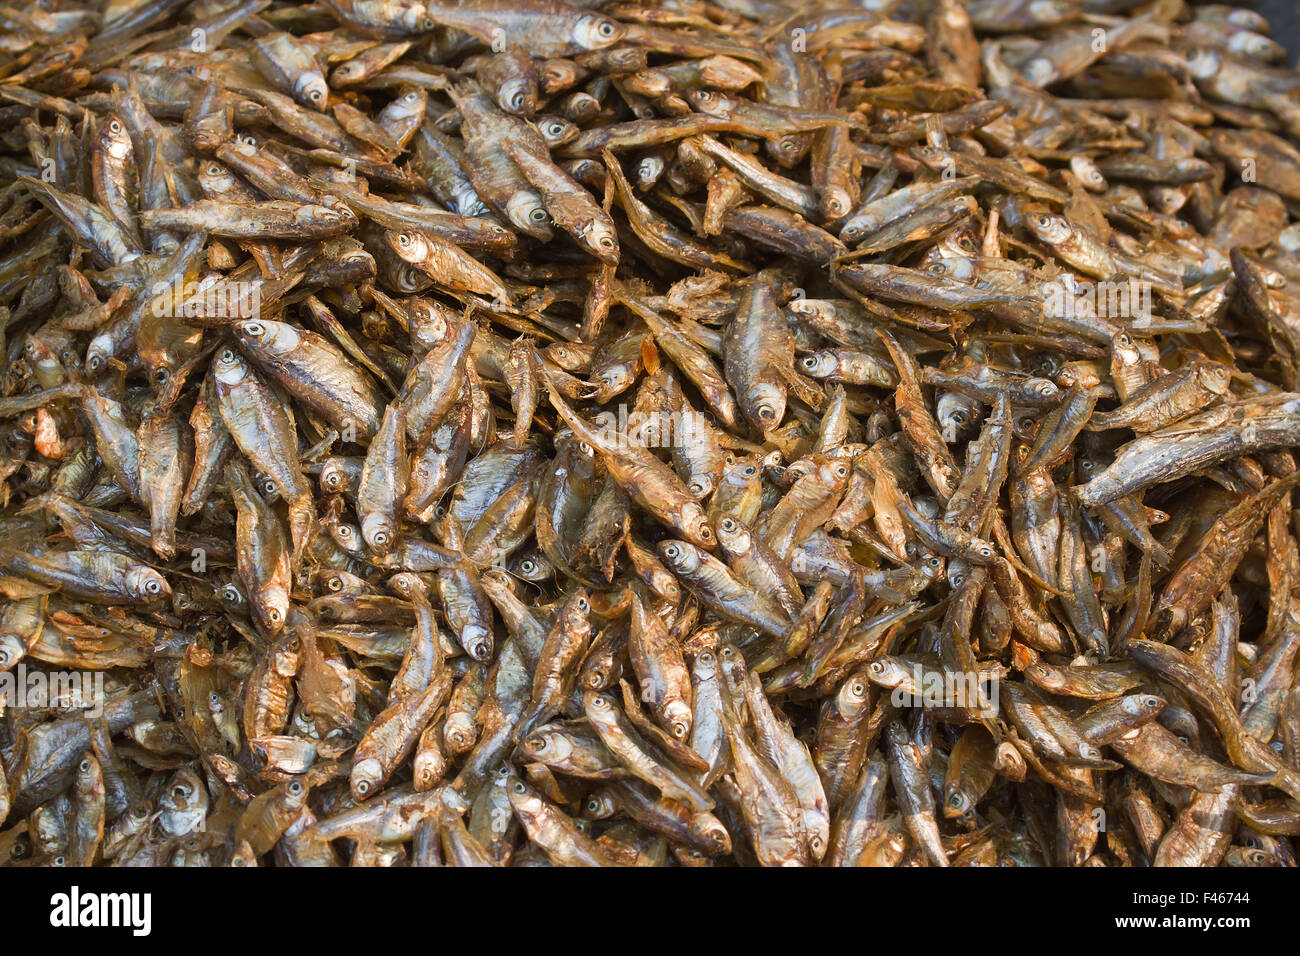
(841, 470)
(403, 239)
(114, 126)
(214, 698)
(673, 551)
(93, 363)
(180, 791)
(344, 531)
(227, 356)
(587, 450)
(153, 587)
(161, 375)
(810, 362)
(766, 412)
(518, 99)
(314, 95)
(538, 215)
(583, 605)
(363, 787)
(84, 766)
(528, 567)
(606, 28)
(295, 788)
(273, 615)
(411, 97)
(729, 525)
(934, 561)
(606, 242)
(749, 471)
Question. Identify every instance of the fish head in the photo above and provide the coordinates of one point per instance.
(12, 650)
(556, 130)
(956, 803)
(836, 203)
(546, 746)
(652, 83)
(229, 368)
(886, 672)
(526, 210)
(710, 101)
(600, 239)
(594, 31)
(115, 139)
(695, 525)
(366, 777)
(379, 533)
(516, 96)
(709, 830)
(1046, 676)
(705, 665)
(677, 715)
(408, 244)
(1141, 705)
(145, 584)
(1216, 377)
(819, 364)
(215, 178)
(599, 805)
(477, 642)
(734, 537)
(767, 405)
(278, 337)
(310, 89)
(1049, 227)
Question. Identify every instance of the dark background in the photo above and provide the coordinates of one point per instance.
(1284, 15)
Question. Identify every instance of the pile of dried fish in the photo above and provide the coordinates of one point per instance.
(703, 432)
